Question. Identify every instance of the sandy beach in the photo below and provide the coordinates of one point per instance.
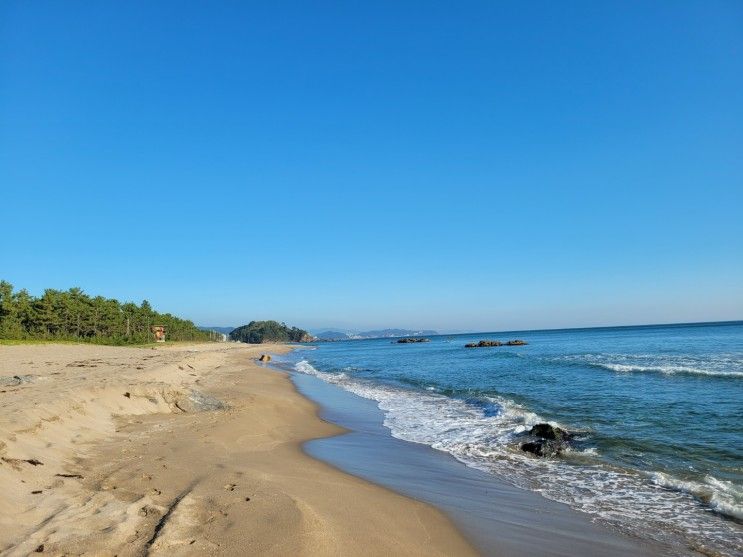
(182, 450)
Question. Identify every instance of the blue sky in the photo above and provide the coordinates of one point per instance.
(450, 165)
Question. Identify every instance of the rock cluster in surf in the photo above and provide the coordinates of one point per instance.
(486, 343)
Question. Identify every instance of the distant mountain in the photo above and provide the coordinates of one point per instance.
(332, 335)
(387, 333)
(223, 330)
(380, 333)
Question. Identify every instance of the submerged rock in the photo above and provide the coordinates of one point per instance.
(550, 440)
(483, 343)
(543, 447)
(408, 340)
(548, 431)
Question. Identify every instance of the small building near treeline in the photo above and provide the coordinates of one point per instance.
(159, 332)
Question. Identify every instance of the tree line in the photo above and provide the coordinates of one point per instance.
(74, 315)
(257, 332)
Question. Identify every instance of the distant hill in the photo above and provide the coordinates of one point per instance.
(380, 333)
(223, 330)
(332, 335)
(258, 332)
(387, 333)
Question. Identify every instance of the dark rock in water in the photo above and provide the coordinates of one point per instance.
(483, 343)
(409, 340)
(543, 447)
(264, 358)
(547, 431)
(550, 440)
(534, 447)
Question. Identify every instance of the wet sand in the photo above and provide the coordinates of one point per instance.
(183, 450)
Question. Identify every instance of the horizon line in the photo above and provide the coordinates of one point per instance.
(646, 325)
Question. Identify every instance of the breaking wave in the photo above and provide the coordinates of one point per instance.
(713, 366)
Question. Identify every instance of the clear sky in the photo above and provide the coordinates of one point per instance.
(448, 165)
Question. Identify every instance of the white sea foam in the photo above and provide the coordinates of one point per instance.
(489, 441)
(670, 370)
(720, 495)
(668, 364)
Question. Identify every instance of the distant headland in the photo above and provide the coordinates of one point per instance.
(331, 335)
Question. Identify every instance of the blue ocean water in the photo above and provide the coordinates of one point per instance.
(658, 411)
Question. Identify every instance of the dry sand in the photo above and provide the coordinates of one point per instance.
(126, 451)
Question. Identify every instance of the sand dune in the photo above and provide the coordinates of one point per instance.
(182, 450)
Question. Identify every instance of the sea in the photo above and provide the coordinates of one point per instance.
(657, 413)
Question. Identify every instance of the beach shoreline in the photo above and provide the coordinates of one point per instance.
(183, 450)
(641, 465)
(498, 517)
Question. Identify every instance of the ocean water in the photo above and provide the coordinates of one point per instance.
(658, 411)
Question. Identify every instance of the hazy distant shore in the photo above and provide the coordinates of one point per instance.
(182, 451)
